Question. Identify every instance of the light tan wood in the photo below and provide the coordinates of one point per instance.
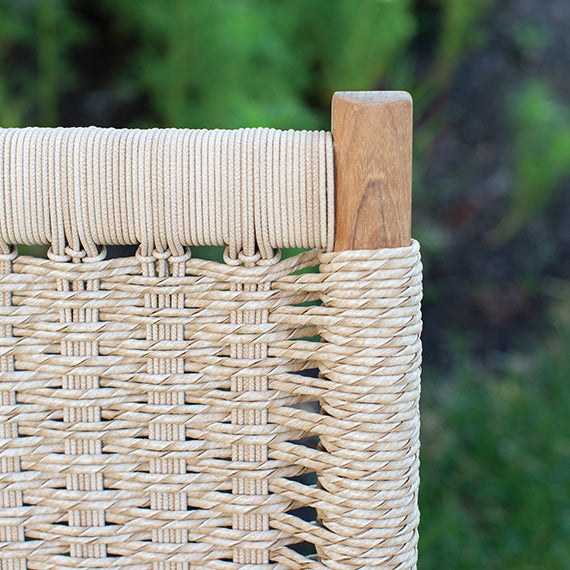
(372, 133)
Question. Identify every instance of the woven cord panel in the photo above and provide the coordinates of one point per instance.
(166, 413)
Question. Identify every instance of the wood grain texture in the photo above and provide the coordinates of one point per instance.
(372, 133)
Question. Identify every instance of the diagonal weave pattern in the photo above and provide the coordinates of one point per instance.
(159, 412)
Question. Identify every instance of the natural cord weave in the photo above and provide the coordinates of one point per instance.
(165, 189)
(164, 412)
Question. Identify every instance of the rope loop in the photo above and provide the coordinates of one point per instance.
(57, 257)
(173, 259)
(13, 253)
(99, 257)
(160, 255)
(271, 260)
(251, 260)
(75, 253)
(228, 259)
(144, 258)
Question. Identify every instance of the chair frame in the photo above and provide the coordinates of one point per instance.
(372, 134)
(372, 138)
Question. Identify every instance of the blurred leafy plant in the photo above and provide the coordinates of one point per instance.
(36, 37)
(541, 152)
(58, 30)
(228, 63)
(256, 62)
(213, 64)
(353, 46)
(495, 489)
(530, 38)
(14, 31)
(460, 32)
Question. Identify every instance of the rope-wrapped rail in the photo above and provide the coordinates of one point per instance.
(158, 412)
(166, 189)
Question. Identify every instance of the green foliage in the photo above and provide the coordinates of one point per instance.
(44, 30)
(213, 64)
(58, 30)
(14, 30)
(231, 62)
(354, 47)
(47, 55)
(253, 62)
(495, 490)
(530, 38)
(541, 139)
(460, 31)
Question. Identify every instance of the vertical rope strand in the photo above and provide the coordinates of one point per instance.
(12, 530)
(247, 189)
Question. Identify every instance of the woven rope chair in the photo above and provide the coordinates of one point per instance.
(164, 412)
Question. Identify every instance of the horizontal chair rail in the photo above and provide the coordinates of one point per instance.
(166, 189)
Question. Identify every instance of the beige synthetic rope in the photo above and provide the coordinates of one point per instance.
(373, 397)
(253, 190)
(159, 417)
(172, 429)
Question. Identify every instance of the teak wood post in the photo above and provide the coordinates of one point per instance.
(372, 134)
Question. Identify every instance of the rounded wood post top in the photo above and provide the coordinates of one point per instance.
(372, 134)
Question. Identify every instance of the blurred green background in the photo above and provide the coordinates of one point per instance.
(491, 86)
